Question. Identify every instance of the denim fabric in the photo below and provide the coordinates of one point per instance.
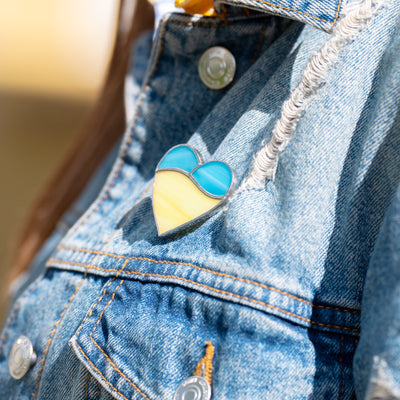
(322, 14)
(284, 281)
(377, 359)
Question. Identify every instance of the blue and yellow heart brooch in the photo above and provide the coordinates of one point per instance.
(187, 191)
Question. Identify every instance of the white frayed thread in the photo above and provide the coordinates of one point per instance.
(266, 160)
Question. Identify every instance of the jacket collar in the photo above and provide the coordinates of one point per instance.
(322, 14)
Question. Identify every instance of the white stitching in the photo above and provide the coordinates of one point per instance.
(266, 160)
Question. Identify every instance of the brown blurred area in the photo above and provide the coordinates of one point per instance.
(53, 57)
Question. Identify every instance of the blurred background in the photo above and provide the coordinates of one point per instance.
(53, 57)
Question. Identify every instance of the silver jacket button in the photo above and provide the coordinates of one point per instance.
(217, 67)
(22, 357)
(193, 388)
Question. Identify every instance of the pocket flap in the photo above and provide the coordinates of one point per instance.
(142, 340)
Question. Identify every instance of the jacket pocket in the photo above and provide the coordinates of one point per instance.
(141, 340)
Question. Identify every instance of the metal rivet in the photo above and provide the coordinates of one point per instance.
(193, 388)
(217, 67)
(22, 357)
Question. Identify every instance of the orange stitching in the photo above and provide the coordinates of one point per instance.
(93, 366)
(337, 11)
(341, 367)
(260, 41)
(98, 392)
(215, 290)
(128, 142)
(16, 308)
(52, 334)
(101, 297)
(110, 301)
(247, 12)
(108, 359)
(112, 297)
(206, 361)
(303, 13)
(87, 386)
(205, 270)
(116, 368)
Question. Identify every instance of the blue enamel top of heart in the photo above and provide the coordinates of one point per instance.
(214, 177)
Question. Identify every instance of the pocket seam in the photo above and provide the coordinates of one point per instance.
(97, 370)
(271, 288)
(246, 298)
(116, 369)
(98, 346)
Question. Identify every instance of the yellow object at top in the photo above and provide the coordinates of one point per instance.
(204, 7)
(177, 201)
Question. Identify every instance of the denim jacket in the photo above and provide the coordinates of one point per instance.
(289, 291)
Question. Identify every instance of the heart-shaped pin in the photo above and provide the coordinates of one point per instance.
(187, 191)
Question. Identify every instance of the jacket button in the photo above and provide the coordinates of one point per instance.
(193, 388)
(22, 357)
(217, 67)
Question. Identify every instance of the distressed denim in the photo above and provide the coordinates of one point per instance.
(295, 284)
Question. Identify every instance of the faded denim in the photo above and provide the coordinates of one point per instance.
(296, 284)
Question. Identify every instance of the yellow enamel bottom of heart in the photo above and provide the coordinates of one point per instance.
(177, 200)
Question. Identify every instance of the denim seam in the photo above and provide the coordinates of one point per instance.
(116, 369)
(87, 386)
(205, 270)
(15, 310)
(341, 367)
(99, 372)
(101, 297)
(260, 42)
(52, 334)
(99, 391)
(129, 139)
(301, 12)
(221, 292)
(106, 306)
(102, 351)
